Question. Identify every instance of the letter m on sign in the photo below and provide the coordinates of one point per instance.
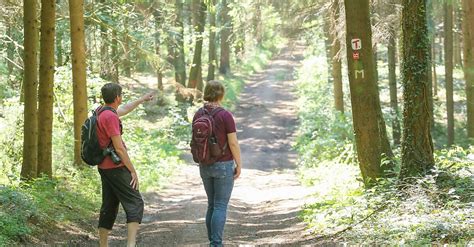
(359, 74)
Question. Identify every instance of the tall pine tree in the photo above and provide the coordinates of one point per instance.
(30, 81)
(76, 10)
(369, 126)
(46, 85)
(417, 145)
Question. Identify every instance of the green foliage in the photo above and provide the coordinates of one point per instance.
(153, 148)
(433, 209)
(155, 135)
(439, 132)
(15, 210)
(43, 205)
(11, 141)
(73, 196)
(324, 133)
(258, 59)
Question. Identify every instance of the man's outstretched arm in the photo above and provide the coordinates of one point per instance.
(126, 108)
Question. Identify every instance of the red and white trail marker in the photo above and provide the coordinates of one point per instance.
(355, 55)
(356, 44)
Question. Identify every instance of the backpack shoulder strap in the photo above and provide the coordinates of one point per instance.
(105, 108)
(102, 109)
(215, 111)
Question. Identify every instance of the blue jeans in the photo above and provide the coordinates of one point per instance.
(218, 180)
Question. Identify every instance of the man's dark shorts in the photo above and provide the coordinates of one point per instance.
(116, 189)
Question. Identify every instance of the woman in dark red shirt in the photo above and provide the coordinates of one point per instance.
(218, 178)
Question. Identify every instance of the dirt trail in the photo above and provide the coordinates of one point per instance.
(266, 199)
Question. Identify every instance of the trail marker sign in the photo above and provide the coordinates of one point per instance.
(355, 55)
(356, 44)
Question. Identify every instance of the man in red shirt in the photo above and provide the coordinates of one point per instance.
(119, 181)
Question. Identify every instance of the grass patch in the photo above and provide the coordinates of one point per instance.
(32, 210)
(434, 209)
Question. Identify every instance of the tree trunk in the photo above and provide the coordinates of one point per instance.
(328, 41)
(46, 85)
(212, 41)
(435, 76)
(115, 74)
(336, 60)
(10, 52)
(468, 32)
(30, 82)
(376, 71)
(392, 81)
(369, 126)
(417, 146)
(76, 11)
(225, 39)
(441, 52)
(195, 75)
(180, 63)
(257, 23)
(127, 65)
(158, 25)
(104, 49)
(457, 41)
(431, 28)
(448, 65)
(239, 46)
(59, 48)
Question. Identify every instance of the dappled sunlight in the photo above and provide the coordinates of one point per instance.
(267, 198)
(354, 121)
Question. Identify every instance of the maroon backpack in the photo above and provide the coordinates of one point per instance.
(204, 145)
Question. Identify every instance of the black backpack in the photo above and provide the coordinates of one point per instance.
(91, 153)
(204, 146)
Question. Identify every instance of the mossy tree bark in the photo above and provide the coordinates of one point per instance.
(417, 145)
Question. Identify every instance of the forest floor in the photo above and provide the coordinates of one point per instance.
(266, 199)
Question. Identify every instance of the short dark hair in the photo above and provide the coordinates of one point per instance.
(110, 91)
(213, 91)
